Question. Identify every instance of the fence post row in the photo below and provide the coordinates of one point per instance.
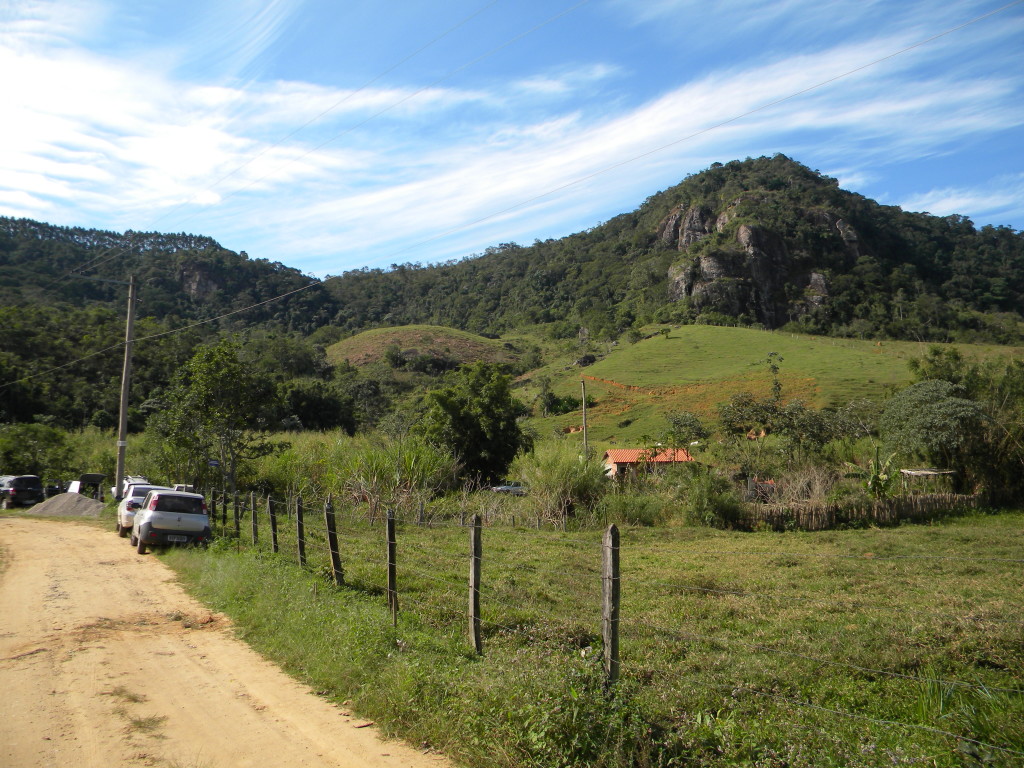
(475, 553)
(272, 514)
(392, 568)
(300, 532)
(332, 543)
(255, 517)
(610, 604)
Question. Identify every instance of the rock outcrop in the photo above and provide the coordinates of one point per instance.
(753, 271)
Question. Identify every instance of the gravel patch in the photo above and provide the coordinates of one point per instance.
(66, 505)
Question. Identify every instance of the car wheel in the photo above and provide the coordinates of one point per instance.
(122, 531)
(134, 540)
(140, 546)
(5, 503)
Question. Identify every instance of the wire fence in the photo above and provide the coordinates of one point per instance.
(671, 629)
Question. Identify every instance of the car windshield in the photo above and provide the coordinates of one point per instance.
(26, 483)
(189, 505)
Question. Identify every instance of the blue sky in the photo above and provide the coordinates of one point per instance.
(332, 136)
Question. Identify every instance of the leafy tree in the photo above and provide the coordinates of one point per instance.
(994, 452)
(684, 430)
(316, 404)
(476, 419)
(217, 408)
(932, 420)
(34, 449)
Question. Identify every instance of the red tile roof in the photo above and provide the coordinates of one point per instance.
(636, 455)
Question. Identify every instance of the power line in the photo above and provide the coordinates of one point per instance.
(94, 264)
(569, 184)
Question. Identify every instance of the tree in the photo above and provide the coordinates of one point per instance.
(932, 420)
(476, 419)
(216, 408)
(34, 449)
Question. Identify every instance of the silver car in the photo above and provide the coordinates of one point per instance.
(135, 494)
(170, 517)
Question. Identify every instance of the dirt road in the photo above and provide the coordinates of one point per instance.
(105, 661)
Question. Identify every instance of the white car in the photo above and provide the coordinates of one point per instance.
(170, 517)
(134, 496)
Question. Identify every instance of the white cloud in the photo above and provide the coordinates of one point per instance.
(999, 196)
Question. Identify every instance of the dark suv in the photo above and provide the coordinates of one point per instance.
(17, 490)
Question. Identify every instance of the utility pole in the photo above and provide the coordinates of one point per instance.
(126, 376)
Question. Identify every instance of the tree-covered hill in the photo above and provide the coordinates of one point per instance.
(181, 277)
(765, 241)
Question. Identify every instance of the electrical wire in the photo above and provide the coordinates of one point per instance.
(574, 182)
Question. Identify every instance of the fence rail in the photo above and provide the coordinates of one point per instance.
(812, 516)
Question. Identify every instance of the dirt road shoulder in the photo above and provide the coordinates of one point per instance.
(106, 661)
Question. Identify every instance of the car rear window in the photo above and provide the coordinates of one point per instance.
(183, 504)
(27, 483)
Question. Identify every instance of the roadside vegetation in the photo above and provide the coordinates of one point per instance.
(874, 647)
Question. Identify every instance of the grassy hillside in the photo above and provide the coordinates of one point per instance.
(696, 367)
(433, 340)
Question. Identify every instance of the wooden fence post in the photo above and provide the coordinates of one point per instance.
(272, 514)
(300, 531)
(332, 543)
(223, 511)
(475, 553)
(213, 510)
(238, 520)
(392, 568)
(255, 518)
(610, 604)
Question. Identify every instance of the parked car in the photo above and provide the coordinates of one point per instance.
(20, 490)
(170, 517)
(126, 482)
(135, 496)
(89, 484)
(510, 487)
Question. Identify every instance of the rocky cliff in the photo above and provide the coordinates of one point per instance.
(735, 265)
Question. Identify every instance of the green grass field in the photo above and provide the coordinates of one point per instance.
(900, 646)
(696, 367)
(369, 346)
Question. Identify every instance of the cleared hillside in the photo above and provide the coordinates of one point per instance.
(415, 340)
(696, 367)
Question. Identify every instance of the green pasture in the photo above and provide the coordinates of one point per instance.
(898, 646)
(696, 367)
(369, 346)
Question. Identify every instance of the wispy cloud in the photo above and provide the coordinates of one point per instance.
(1001, 196)
(337, 177)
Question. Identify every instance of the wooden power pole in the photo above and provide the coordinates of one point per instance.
(126, 376)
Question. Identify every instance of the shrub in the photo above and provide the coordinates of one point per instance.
(706, 498)
(561, 482)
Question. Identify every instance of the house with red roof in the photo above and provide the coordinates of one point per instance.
(619, 462)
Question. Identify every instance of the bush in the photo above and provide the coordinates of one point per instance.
(705, 497)
(632, 509)
(561, 482)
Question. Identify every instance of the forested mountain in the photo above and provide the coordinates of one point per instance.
(180, 277)
(765, 241)
(762, 242)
